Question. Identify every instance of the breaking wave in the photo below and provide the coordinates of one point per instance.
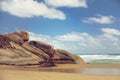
(101, 58)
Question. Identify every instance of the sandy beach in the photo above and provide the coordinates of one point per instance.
(61, 72)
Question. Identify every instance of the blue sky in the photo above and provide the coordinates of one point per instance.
(79, 26)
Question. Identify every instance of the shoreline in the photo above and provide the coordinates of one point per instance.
(67, 66)
(53, 73)
(61, 66)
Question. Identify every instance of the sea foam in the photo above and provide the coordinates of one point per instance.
(101, 58)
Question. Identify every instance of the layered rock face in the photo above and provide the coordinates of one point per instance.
(63, 57)
(18, 37)
(4, 42)
(16, 49)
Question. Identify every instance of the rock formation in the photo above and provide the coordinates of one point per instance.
(4, 42)
(16, 49)
(62, 57)
(18, 37)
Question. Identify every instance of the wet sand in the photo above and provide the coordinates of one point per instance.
(61, 72)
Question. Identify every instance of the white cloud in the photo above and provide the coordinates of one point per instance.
(74, 36)
(80, 41)
(40, 37)
(47, 39)
(66, 3)
(111, 31)
(106, 42)
(100, 19)
(30, 8)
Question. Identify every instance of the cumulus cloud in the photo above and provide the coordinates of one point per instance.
(30, 8)
(67, 3)
(46, 38)
(111, 31)
(44, 8)
(74, 36)
(106, 42)
(101, 19)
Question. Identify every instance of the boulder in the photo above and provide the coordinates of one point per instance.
(19, 36)
(48, 49)
(62, 56)
(16, 49)
(5, 42)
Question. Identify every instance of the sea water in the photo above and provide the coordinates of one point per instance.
(103, 59)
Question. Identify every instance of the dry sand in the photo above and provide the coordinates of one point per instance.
(32, 73)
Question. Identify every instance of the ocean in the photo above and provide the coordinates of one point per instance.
(102, 59)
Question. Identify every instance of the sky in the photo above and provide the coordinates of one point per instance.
(78, 26)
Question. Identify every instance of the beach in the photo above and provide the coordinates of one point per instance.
(61, 72)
